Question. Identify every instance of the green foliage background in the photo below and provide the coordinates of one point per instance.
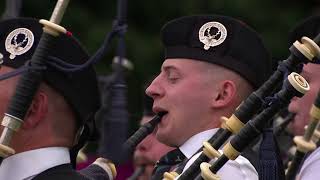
(91, 20)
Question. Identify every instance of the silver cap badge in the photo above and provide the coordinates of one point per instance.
(212, 34)
(18, 42)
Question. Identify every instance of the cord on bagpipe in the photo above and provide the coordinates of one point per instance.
(301, 53)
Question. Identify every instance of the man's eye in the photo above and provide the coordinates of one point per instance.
(173, 78)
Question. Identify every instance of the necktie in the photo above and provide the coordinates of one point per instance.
(270, 163)
(166, 162)
(181, 166)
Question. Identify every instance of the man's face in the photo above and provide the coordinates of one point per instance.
(185, 91)
(148, 152)
(301, 106)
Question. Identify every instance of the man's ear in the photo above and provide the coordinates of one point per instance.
(37, 111)
(225, 94)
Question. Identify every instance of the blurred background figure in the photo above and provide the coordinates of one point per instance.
(311, 72)
(150, 150)
(310, 169)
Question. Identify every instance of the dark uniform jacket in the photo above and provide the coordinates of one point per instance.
(61, 172)
(66, 172)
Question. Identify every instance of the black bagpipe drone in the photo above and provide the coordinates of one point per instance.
(301, 53)
(33, 73)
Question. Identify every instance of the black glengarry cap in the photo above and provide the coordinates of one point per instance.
(19, 39)
(220, 40)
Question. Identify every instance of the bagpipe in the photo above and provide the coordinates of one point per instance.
(33, 75)
(146, 129)
(284, 135)
(30, 82)
(133, 141)
(239, 123)
(116, 87)
(294, 86)
(301, 53)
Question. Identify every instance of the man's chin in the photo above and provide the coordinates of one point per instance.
(166, 139)
(162, 136)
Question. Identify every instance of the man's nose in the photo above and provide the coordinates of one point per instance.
(155, 89)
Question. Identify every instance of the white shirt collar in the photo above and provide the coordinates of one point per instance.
(27, 164)
(192, 145)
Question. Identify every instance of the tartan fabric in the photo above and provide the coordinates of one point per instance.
(171, 159)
